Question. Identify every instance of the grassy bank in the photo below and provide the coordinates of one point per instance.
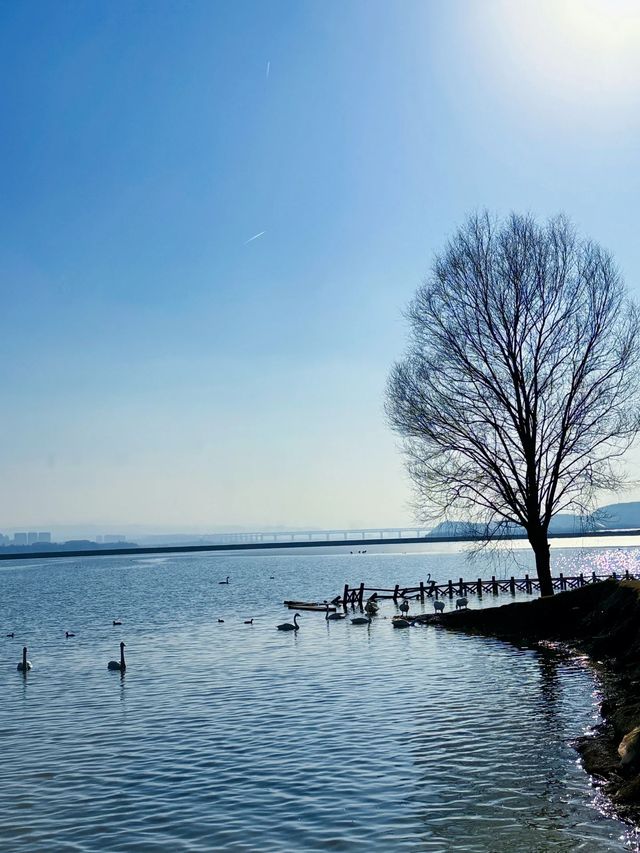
(602, 620)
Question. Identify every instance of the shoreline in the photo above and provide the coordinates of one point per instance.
(603, 622)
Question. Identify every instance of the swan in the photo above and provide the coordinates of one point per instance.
(371, 607)
(461, 603)
(248, 622)
(119, 665)
(69, 634)
(399, 622)
(12, 635)
(333, 617)
(223, 582)
(117, 622)
(220, 620)
(404, 607)
(24, 665)
(287, 626)
(438, 606)
(361, 620)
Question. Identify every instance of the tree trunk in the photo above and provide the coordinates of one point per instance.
(540, 545)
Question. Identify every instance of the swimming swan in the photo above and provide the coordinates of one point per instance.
(119, 665)
(223, 582)
(24, 664)
(399, 622)
(287, 626)
(361, 620)
(117, 622)
(69, 634)
(333, 617)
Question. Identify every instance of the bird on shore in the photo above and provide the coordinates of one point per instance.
(69, 634)
(117, 622)
(438, 606)
(399, 622)
(404, 607)
(371, 607)
(118, 665)
(361, 620)
(24, 665)
(11, 635)
(224, 582)
(248, 621)
(288, 626)
(461, 603)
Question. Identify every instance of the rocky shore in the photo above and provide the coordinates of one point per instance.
(603, 621)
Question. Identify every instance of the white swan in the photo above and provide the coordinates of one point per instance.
(361, 620)
(438, 606)
(24, 665)
(287, 626)
(461, 603)
(119, 665)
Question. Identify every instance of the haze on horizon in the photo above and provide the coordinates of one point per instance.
(214, 215)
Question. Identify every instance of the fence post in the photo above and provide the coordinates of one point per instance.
(494, 585)
(460, 587)
(361, 594)
(563, 584)
(422, 591)
(594, 577)
(581, 579)
(450, 589)
(479, 587)
(527, 584)
(395, 593)
(345, 595)
(626, 574)
(512, 585)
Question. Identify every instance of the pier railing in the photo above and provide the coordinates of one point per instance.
(355, 596)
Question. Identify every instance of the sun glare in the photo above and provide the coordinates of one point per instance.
(567, 50)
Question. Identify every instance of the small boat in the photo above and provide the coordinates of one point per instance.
(310, 605)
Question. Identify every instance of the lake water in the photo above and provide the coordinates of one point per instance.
(234, 737)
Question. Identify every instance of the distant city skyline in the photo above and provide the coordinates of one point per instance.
(214, 216)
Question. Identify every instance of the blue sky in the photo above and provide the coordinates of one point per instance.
(156, 368)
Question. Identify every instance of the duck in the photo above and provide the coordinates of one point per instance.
(288, 626)
(226, 581)
(69, 634)
(119, 665)
(117, 622)
(361, 620)
(24, 665)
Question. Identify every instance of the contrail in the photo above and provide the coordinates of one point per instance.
(268, 68)
(255, 237)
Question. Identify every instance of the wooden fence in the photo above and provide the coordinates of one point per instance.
(355, 596)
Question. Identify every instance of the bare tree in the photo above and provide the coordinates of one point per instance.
(519, 392)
